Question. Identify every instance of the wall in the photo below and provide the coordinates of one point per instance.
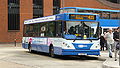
(25, 13)
(48, 7)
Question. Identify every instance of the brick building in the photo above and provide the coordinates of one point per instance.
(14, 12)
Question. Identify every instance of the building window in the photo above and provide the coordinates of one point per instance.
(56, 6)
(13, 15)
(37, 8)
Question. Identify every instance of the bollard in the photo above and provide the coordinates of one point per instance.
(15, 42)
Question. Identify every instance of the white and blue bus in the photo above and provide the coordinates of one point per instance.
(63, 34)
(108, 18)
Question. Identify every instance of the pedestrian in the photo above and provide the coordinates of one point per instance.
(114, 35)
(105, 43)
(110, 41)
(116, 42)
(102, 41)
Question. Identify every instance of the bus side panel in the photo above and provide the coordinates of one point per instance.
(57, 45)
(25, 42)
(24, 45)
(43, 48)
(40, 44)
(58, 50)
(34, 47)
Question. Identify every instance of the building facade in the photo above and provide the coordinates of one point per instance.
(14, 12)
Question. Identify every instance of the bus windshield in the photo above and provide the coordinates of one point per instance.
(81, 30)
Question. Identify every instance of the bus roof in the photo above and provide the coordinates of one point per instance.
(54, 18)
(91, 9)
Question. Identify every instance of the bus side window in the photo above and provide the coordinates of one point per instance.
(58, 29)
(51, 29)
(105, 15)
(89, 11)
(114, 15)
(30, 30)
(80, 10)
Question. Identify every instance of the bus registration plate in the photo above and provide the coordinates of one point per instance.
(82, 54)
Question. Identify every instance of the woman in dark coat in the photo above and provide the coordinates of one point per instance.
(102, 42)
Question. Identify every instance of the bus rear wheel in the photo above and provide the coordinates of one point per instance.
(51, 51)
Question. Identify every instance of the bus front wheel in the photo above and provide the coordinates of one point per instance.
(51, 51)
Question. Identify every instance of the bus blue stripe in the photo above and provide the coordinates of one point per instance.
(60, 51)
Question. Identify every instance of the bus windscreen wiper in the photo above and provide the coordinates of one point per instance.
(90, 40)
(74, 39)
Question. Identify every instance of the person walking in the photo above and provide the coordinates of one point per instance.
(116, 41)
(110, 41)
(105, 43)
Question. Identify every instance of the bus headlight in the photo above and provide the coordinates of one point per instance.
(65, 44)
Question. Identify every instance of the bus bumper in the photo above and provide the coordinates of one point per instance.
(80, 52)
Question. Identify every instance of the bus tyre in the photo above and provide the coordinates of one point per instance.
(51, 52)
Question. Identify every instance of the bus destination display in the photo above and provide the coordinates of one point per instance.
(82, 17)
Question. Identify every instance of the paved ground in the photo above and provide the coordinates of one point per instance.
(17, 57)
(110, 62)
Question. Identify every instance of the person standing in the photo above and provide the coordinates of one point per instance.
(110, 41)
(102, 41)
(116, 42)
(113, 47)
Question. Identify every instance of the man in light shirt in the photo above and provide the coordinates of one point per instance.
(110, 41)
